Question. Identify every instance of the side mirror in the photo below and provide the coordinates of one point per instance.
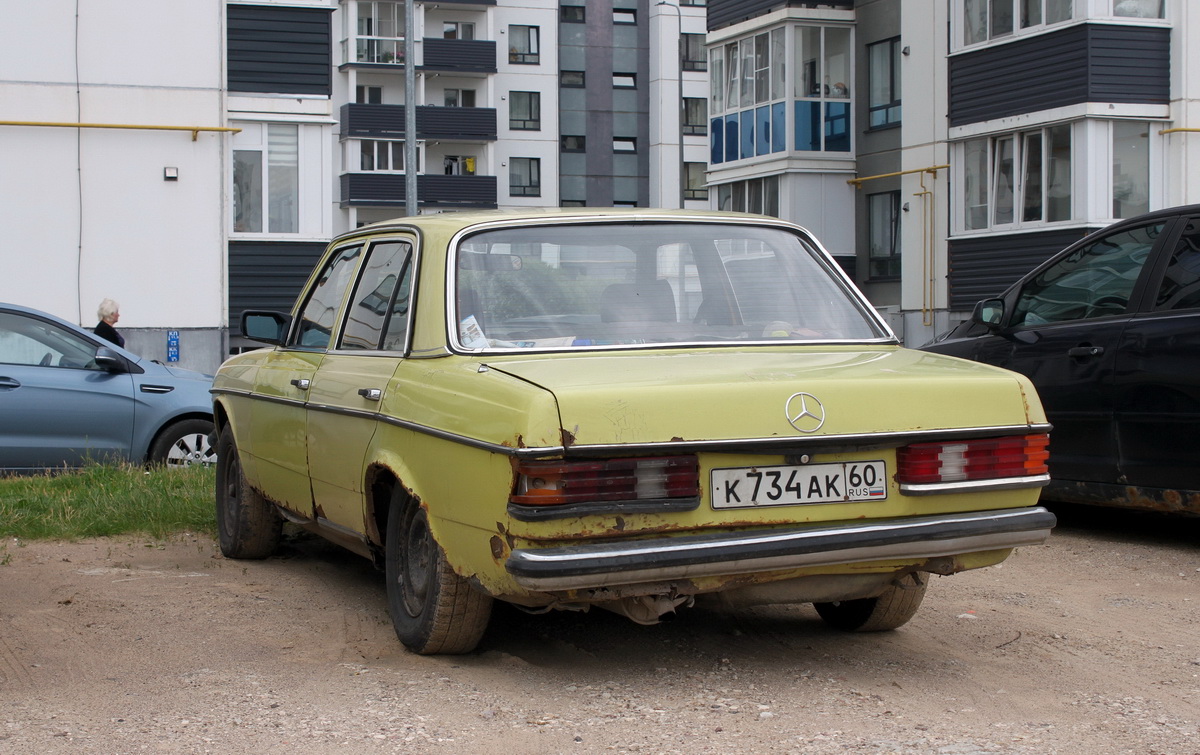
(989, 313)
(268, 327)
(109, 360)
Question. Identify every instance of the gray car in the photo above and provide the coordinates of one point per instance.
(69, 398)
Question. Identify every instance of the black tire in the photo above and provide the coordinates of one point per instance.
(433, 609)
(892, 609)
(248, 526)
(184, 444)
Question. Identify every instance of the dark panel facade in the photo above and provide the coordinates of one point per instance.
(267, 275)
(433, 191)
(279, 50)
(725, 12)
(1085, 63)
(984, 267)
(459, 55)
(433, 122)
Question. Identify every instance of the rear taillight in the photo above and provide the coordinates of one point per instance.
(961, 461)
(551, 483)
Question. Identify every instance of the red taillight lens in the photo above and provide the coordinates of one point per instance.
(550, 483)
(991, 458)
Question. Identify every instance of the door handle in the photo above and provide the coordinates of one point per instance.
(1085, 351)
(370, 394)
(301, 383)
(8, 383)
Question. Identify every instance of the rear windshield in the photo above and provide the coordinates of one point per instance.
(617, 285)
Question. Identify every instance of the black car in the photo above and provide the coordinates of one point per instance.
(1109, 332)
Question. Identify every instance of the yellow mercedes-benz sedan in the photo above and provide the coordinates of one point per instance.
(624, 409)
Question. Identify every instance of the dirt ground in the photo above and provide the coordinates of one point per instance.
(1087, 645)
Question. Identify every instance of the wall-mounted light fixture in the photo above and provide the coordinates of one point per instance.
(170, 174)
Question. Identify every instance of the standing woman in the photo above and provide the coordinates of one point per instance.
(109, 313)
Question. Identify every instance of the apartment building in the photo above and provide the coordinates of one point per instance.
(941, 148)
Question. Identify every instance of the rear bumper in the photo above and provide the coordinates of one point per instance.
(621, 563)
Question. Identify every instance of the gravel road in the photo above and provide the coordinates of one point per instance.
(1087, 645)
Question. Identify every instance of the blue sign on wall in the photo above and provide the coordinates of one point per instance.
(172, 345)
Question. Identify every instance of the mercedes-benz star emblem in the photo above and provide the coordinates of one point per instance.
(805, 412)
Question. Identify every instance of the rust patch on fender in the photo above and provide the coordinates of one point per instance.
(568, 437)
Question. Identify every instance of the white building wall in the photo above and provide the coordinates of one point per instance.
(87, 213)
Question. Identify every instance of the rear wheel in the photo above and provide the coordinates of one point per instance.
(892, 609)
(248, 526)
(184, 444)
(433, 609)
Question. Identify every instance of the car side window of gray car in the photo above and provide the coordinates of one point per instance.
(30, 341)
(1094, 280)
(1180, 288)
(314, 327)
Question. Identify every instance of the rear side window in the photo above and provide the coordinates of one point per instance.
(1093, 281)
(1180, 287)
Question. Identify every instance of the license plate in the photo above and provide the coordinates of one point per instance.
(745, 487)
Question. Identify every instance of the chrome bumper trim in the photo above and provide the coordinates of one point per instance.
(689, 556)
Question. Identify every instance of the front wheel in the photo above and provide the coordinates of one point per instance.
(248, 526)
(184, 444)
(898, 603)
(433, 609)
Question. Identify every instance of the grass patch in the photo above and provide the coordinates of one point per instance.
(108, 500)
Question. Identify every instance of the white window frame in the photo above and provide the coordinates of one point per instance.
(312, 192)
(375, 47)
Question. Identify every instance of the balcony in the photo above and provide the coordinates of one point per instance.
(469, 124)
(434, 192)
(458, 55)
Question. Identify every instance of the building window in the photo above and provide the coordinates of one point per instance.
(523, 46)
(759, 195)
(883, 230)
(458, 97)
(266, 178)
(1138, 9)
(1130, 168)
(884, 83)
(695, 175)
(458, 165)
(458, 30)
(378, 33)
(748, 104)
(572, 203)
(1017, 179)
(571, 79)
(379, 155)
(986, 20)
(368, 95)
(525, 111)
(573, 14)
(572, 143)
(695, 116)
(693, 2)
(823, 79)
(624, 81)
(624, 16)
(624, 144)
(525, 177)
(695, 56)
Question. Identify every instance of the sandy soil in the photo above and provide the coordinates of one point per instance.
(1085, 646)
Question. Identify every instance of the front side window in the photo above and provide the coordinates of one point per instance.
(1093, 281)
(377, 316)
(32, 342)
(1180, 288)
(1015, 180)
(525, 177)
(524, 47)
(615, 285)
(266, 178)
(525, 111)
(315, 323)
(883, 231)
(884, 83)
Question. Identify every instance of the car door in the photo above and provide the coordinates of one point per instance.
(278, 427)
(1064, 332)
(347, 389)
(1157, 388)
(57, 406)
